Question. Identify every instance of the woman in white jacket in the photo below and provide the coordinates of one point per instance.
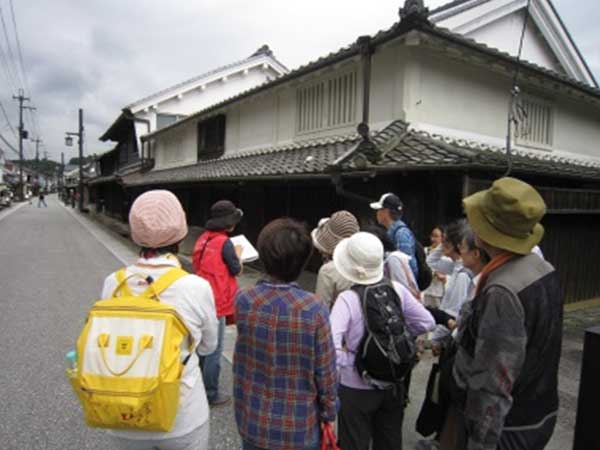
(158, 224)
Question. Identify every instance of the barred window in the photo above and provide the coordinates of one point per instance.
(534, 122)
(327, 104)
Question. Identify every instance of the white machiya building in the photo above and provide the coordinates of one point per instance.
(420, 108)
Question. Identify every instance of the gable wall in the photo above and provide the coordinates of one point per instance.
(505, 33)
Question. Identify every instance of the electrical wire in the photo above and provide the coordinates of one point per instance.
(11, 56)
(20, 54)
(514, 93)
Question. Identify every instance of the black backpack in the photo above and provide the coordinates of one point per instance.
(425, 275)
(386, 351)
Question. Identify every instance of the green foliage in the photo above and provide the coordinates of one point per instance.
(44, 166)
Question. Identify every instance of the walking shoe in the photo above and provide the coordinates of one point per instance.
(221, 400)
(427, 444)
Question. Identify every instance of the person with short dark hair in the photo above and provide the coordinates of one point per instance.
(390, 211)
(284, 361)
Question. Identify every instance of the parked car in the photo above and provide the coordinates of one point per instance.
(5, 197)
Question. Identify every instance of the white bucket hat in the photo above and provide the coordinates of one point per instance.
(359, 258)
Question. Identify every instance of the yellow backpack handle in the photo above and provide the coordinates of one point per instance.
(103, 340)
(154, 288)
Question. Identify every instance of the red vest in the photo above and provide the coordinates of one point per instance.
(208, 263)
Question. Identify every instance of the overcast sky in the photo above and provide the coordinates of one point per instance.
(103, 54)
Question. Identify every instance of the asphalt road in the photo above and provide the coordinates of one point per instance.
(52, 270)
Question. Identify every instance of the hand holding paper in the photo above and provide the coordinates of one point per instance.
(248, 252)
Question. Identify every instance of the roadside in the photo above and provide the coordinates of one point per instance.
(223, 431)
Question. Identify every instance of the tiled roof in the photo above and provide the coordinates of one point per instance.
(398, 147)
(405, 149)
(256, 55)
(303, 158)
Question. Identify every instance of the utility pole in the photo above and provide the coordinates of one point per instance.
(22, 135)
(69, 142)
(61, 180)
(37, 149)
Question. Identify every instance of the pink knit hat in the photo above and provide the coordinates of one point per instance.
(157, 220)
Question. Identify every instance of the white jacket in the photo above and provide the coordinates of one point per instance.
(193, 299)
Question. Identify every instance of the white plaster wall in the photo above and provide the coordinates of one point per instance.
(505, 33)
(387, 79)
(452, 94)
(577, 128)
(466, 101)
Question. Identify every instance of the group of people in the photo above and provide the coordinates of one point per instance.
(490, 307)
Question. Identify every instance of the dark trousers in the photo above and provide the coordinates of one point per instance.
(371, 415)
(454, 436)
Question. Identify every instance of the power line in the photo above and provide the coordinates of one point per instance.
(14, 21)
(11, 56)
(8, 144)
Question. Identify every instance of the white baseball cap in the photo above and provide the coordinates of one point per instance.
(388, 201)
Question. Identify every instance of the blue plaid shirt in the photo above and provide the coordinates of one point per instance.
(284, 367)
(405, 241)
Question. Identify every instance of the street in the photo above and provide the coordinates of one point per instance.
(53, 263)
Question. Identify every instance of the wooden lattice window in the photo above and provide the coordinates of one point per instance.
(535, 122)
(327, 103)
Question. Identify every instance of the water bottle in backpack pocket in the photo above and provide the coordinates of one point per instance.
(386, 351)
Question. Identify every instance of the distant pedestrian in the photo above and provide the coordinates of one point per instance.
(432, 296)
(326, 236)
(390, 210)
(509, 343)
(41, 200)
(158, 224)
(284, 361)
(217, 260)
(372, 409)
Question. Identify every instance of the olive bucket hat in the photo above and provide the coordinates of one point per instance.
(507, 215)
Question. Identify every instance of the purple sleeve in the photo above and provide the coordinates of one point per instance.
(418, 319)
(340, 321)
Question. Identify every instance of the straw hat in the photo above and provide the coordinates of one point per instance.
(359, 258)
(507, 215)
(332, 230)
(156, 220)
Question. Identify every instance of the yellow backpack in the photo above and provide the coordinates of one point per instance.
(128, 359)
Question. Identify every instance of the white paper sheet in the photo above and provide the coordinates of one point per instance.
(249, 253)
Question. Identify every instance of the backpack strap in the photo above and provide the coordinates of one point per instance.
(122, 288)
(166, 280)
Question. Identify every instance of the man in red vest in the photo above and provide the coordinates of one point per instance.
(216, 260)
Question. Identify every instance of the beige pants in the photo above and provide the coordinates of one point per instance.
(195, 440)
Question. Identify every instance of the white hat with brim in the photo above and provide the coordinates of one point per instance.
(360, 258)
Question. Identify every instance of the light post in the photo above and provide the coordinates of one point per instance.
(69, 143)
